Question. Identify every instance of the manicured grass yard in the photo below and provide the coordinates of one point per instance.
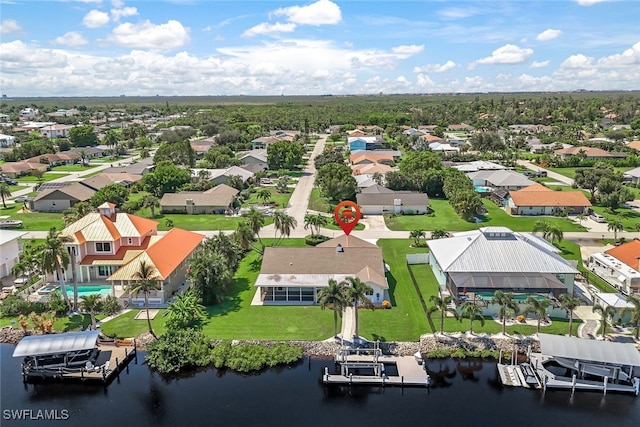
(571, 172)
(47, 176)
(629, 217)
(571, 251)
(34, 221)
(445, 217)
(281, 198)
(406, 321)
(317, 202)
(195, 222)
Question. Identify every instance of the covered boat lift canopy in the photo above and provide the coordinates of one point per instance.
(589, 350)
(38, 345)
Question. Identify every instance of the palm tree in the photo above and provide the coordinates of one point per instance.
(84, 154)
(110, 138)
(151, 201)
(264, 194)
(635, 313)
(79, 210)
(580, 217)
(91, 304)
(185, 312)
(335, 295)
(553, 234)
(357, 292)
(472, 312)
(538, 308)
(5, 193)
(439, 233)
(506, 302)
(570, 303)
(283, 224)
(203, 175)
(54, 258)
(606, 314)
(416, 235)
(146, 281)
(314, 222)
(442, 305)
(540, 225)
(615, 225)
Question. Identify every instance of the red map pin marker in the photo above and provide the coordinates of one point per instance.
(347, 215)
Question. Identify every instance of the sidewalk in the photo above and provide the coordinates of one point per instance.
(348, 324)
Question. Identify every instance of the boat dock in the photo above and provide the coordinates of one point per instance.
(371, 367)
(112, 360)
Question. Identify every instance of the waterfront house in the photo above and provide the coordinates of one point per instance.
(620, 267)
(294, 275)
(109, 246)
(500, 179)
(540, 200)
(472, 265)
(10, 248)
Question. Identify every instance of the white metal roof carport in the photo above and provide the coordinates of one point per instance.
(37, 345)
(589, 350)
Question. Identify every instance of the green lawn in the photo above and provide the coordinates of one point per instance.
(73, 168)
(571, 251)
(195, 222)
(629, 217)
(34, 221)
(282, 199)
(317, 202)
(445, 217)
(571, 172)
(46, 177)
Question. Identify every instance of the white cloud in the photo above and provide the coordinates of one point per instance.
(71, 39)
(95, 19)
(576, 62)
(14, 60)
(207, 29)
(268, 29)
(118, 4)
(423, 80)
(116, 14)
(547, 35)
(589, 2)
(539, 64)
(322, 12)
(630, 56)
(147, 35)
(458, 12)
(435, 68)
(408, 49)
(9, 26)
(507, 54)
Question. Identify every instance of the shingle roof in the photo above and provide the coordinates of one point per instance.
(75, 191)
(489, 250)
(378, 189)
(408, 198)
(219, 196)
(539, 195)
(588, 151)
(502, 178)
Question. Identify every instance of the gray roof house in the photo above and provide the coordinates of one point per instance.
(220, 176)
(500, 179)
(255, 157)
(632, 176)
(141, 167)
(377, 200)
(60, 199)
(216, 200)
(291, 275)
(474, 264)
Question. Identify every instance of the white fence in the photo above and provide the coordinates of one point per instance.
(418, 258)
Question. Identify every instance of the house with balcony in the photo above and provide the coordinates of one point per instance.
(108, 247)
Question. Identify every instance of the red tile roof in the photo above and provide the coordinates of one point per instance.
(173, 248)
(539, 195)
(629, 253)
(89, 259)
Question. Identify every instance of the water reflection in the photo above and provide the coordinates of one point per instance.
(440, 372)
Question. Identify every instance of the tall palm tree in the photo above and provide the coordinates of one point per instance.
(538, 308)
(146, 281)
(506, 302)
(55, 257)
(83, 154)
(357, 292)
(283, 224)
(472, 312)
(540, 225)
(151, 201)
(440, 304)
(335, 295)
(5, 193)
(606, 313)
(91, 304)
(553, 234)
(570, 303)
(635, 313)
(264, 194)
(110, 138)
(615, 225)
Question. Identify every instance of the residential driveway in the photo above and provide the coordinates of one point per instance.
(550, 174)
(374, 223)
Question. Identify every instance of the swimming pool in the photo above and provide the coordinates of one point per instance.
(82, 290)
(480, 189)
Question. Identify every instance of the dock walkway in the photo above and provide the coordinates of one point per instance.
(410, 372)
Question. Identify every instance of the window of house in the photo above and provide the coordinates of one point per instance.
(370, 291)
(130, 240)
(103, 247)
(104, 270)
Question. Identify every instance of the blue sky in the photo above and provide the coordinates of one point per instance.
(193, 47)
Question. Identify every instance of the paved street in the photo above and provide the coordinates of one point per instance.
(558, 177)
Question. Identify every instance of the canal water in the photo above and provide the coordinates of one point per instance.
(465, 393)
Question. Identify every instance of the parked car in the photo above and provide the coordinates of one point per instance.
(21, 199)
(598, 218)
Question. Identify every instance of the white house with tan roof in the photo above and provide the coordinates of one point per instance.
(294, 275)
(110, 245)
